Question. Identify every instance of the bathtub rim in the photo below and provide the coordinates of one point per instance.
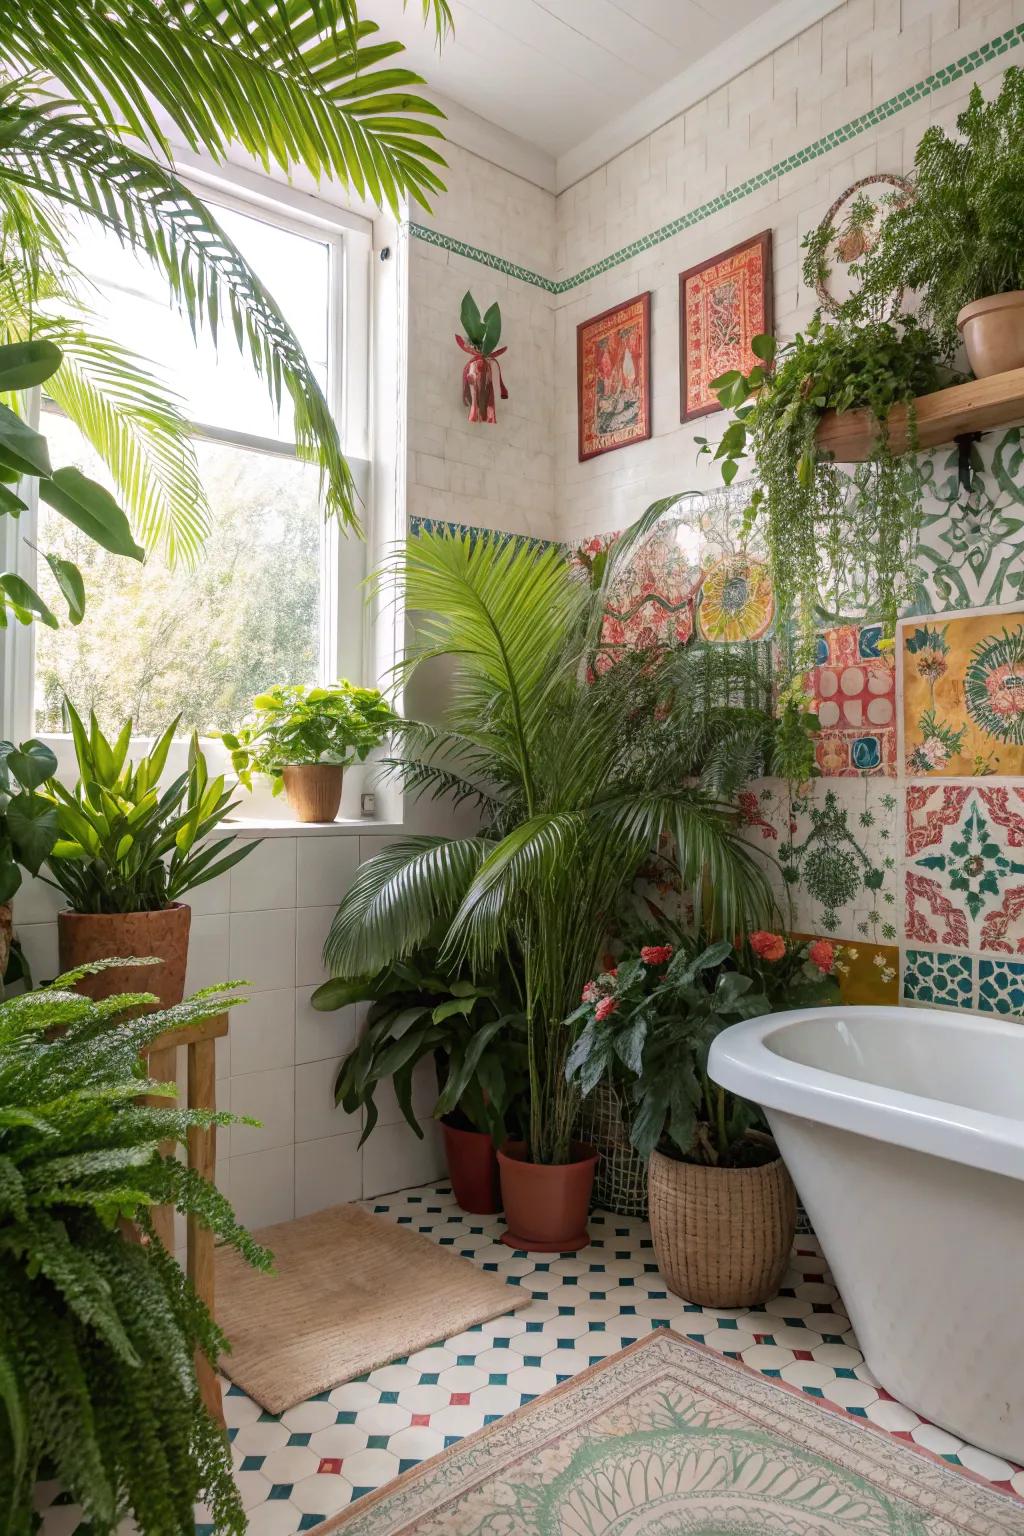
(742, 1061)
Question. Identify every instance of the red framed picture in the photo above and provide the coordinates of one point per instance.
(723, 304)
(613, 377)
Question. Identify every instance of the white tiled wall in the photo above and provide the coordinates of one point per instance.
(265, 923)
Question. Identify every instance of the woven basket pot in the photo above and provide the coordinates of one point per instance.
(620, 1181)
(313, 790)
(163, 935)
(722, 1236)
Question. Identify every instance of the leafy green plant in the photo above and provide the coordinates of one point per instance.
(122, 844)
(833, 540)
(651, 1020)
(576, 781)
(98, 1332)
(961, 236)
(474, 1029)
(24, 456)
(482, 332)
(297, 725)
(28, 826)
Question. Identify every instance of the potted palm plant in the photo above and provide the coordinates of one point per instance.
(126, 852)
(99, 1331)
(473, 1029)
(304, 738)
(959, 241)
(722, 1204)
(575, 781)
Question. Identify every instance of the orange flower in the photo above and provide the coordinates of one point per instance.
(769, 946)
(822, 953)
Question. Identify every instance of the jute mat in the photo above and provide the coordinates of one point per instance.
(350, 1292)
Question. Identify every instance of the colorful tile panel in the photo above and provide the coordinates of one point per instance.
(938, 978)
(963, 696)
(1001, 987)
(965, 866)
(853, 684)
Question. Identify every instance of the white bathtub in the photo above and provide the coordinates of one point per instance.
(904, 1132)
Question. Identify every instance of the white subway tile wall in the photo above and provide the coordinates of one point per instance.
(265, 924)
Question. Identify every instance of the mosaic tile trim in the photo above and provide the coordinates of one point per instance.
(927, 87)
(474, 532)
(1001, 987)
(938, 978)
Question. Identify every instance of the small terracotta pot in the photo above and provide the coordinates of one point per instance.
(473, 1169)
(313, 790)
(993, 333)
(84, 936)
(722, 1236)
(546, 1203)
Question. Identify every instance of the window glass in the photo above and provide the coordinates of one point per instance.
(155, 642)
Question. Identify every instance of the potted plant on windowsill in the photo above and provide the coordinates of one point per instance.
(473, 1029)
(125, 854)
(959, 241)
(304, 738)
(100, 1331)
(575, 781)
(722, 1204)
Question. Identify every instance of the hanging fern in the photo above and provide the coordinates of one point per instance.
(97, 1331)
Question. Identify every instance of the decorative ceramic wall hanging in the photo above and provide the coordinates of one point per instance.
(481, 342)
(848, 232)
(723, 304)
(613, 377)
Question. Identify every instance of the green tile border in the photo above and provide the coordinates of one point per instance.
(823, 146)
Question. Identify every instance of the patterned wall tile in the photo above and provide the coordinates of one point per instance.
(963, 696)
(835, 843)
(940, 978)
(965, 866)
(854, 687)
(1001, 987)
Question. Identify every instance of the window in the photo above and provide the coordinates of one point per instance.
(259, 608)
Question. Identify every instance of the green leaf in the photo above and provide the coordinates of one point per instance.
(69, 579)
(90, 508)
(32, 763)
(10, 503)
(24, 364)
(763, 347)
(471, 321)
(491, 330)
(26, 598)
(32, 827)
(20, 448)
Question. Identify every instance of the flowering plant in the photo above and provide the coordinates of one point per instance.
(647, 1025)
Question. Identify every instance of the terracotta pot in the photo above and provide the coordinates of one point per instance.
(722, 1236)
(546, 1204)
(83, 936)
(473, 1169)
(993, 333)
(313, 790)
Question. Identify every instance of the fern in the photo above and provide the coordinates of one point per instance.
(98, 1334)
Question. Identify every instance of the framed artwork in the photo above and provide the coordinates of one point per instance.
(723, 304)
(613, 377)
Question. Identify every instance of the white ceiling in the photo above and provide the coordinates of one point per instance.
(577, 81)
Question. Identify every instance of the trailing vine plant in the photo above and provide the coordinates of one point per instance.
(835, 541)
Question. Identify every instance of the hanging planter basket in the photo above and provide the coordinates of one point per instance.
(620, 1182)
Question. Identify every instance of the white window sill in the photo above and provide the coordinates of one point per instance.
(277, 826)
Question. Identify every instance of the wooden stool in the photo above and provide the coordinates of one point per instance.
(200, 1042)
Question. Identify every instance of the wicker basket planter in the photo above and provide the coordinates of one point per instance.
(620, 1182)
(722, 1236)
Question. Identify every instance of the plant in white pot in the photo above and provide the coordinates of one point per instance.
(304, 739)
(126, 851)
(722, 1204)
(959, 241)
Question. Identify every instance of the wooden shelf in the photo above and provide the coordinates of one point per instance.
(997, 401)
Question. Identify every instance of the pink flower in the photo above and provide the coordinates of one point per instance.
(656, 954)
(605, 1008)
(590, 992)
(822, 953)
(770, 946)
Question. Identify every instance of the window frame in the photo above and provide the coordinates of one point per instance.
(343, 641)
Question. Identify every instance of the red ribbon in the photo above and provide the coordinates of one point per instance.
(488, 358)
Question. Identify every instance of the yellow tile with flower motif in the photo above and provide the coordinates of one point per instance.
(963, 695)
(868, 973)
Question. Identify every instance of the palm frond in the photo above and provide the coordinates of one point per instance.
(525, 864)
(419, 778)
(57, 156)
(398, 898)
(292, 81)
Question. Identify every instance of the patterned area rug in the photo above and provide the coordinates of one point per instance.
(667, 1438)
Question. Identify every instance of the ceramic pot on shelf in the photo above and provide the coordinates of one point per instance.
(313, 790)
(472, 1168)
(722, 1236)
(546, 1204)
(85, 936)
(992, 330)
